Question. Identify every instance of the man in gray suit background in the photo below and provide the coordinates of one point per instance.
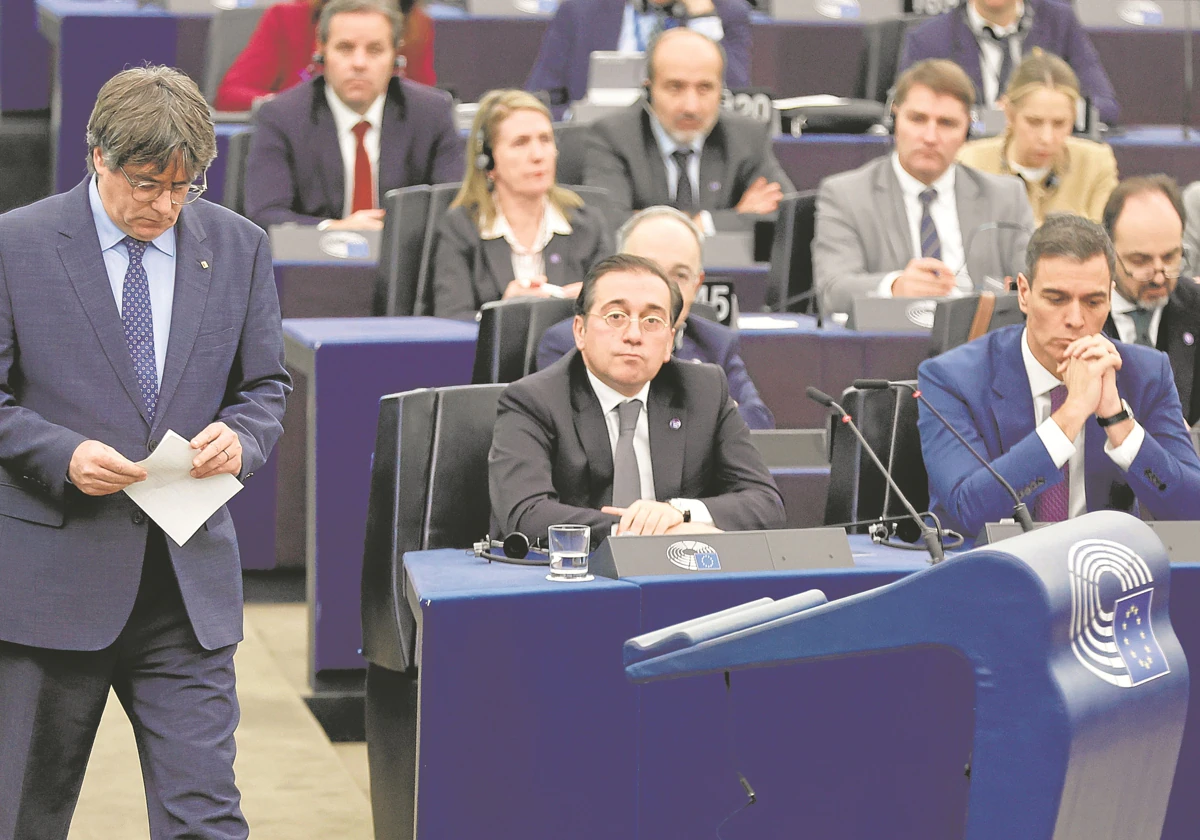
(914, 223)
(678, 135)
(617, 433)
(128, 308)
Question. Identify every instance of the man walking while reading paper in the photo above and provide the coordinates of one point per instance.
(128, 307)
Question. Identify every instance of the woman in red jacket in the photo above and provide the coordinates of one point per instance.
(279, 54)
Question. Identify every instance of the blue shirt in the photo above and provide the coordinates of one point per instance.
(159, 262)
(667, 146)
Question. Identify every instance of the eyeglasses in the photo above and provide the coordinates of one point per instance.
(1171, 269)
(619, 321)
(148, 191)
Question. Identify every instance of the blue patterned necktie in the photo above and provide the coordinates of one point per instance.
(1054, 505)
(138, 321)
(931, 245)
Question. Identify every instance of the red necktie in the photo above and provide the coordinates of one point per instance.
(364, 182)
(1054, 505)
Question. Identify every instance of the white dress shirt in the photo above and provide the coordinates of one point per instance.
(609, 400)
(1126, 329)
(991, 56)
(528, 263)
(944, 212)
(639, 28)
(159, 262)
(344, 119)
(1061, 448)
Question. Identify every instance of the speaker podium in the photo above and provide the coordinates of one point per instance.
(1081, 686)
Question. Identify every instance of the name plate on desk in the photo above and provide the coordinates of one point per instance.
(871, 314)
(734, 551)
(304, 243)
(1181, 538)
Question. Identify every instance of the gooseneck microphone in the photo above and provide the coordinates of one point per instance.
(933, 542)
(1020, 510)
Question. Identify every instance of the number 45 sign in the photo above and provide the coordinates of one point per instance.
(719, 295)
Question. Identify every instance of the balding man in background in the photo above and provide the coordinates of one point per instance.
(676, 146)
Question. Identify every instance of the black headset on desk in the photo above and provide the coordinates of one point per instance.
(516, 547)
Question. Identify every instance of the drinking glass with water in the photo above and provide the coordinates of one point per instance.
(569, 546)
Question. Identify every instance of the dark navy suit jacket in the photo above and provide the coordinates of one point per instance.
(580, 27)
(1053, 27)
(70, 563)
(983, 390)
(703, 341)
(294, 170)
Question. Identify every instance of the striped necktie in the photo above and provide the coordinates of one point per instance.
(931, 245)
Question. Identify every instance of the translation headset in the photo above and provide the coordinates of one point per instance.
(517, 550)
(484, 161)
(676, 9)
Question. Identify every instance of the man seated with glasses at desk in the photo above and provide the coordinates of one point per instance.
(908, 224)
(668, 238)
(1152, 303)
(617, 433)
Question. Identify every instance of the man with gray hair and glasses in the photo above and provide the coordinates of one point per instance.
(1155, 303)
(133, 314)
(672, 241)
(1074, 421)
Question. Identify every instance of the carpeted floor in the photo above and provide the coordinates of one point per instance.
(295, 784)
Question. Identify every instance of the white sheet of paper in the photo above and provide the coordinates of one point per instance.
(178, 503)
(766, 322)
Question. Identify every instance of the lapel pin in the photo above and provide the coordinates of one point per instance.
(204, 263)
(714, 186)
(675, 423)
(556, 258)
(1189, 339)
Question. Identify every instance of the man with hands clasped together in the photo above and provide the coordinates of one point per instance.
(1074, 421)
(618, 433)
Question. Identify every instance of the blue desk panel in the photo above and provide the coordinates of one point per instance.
(866, 748)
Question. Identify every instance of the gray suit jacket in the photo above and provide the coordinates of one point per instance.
(70, 563)
(862, 230)
(624, 158)
(469, 271)
(294, 169)
(551, 460)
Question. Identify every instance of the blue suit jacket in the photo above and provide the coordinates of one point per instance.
(703, 341)
(580, 27)
(70, 563)
(1053, 27)
(294, 169)
(983, 390)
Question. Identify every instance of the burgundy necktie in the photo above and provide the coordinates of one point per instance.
(364, 182)
(1054, 505)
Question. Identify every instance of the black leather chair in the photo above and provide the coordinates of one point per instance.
(429, 489)
(440, 197)
(790, 279)
(506, 348)
(885, 44)
(571, 139)
(233, 191)
(400, 250)
(857, 490)
(954, 319)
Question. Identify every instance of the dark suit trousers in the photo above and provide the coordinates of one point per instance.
(179, 697)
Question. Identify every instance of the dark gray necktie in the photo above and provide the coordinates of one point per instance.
(684, 200)
(931, 244)
(1141, 324)
(627, 480)
(1006, 58)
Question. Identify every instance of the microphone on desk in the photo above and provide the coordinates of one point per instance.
(517, 549)
(933, 541)
(1020, 510)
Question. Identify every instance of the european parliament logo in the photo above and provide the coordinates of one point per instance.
(1116, 645)
(694, 556)
(1141, 13)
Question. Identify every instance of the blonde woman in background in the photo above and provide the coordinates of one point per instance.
(1062, 174)
(512, 230)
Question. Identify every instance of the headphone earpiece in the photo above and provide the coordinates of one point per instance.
(646, 91)
(318, 57)
(484, 161)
